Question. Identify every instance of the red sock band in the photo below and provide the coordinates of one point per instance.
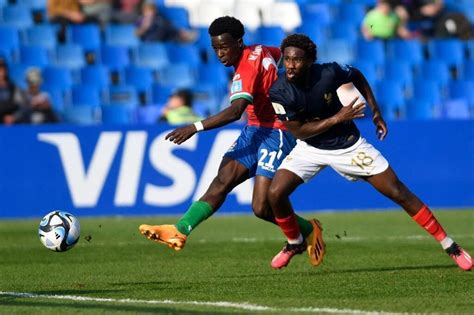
(289, 227)
(427, 220)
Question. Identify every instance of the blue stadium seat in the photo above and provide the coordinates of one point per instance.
(121, 35)
(428, 90)
(17, 73)
(371, 50)
(470, 48)
(122, 94)
(462, 89)
(10, 40)
(59, 77)
(203, 40)
(149, 114)
(152, 55)
(436, 70)
(18, 16)
(33, 4)
(115, 57)
(70, 56)
(86, 35)
(336, 50)
(368, 69)
(399, 70)
(56, 97)
(43, 35)
(390, 96)
(182, 53)
(36, 56)
(117, 114)
(177, 75)
(85, 95)
(139, 77)
(456, 109)
(408, 50)
(215, 74)
(81, 115)
(345, 30)
(352, 13)
(420, 109)
(468, 70)
(96, 75)
(450, 51)
(269, 35)
(206, 99)
(178, 16)
(318, 34)
(319, 13)
(161, 93)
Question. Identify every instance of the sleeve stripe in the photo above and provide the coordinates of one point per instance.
(247, 96)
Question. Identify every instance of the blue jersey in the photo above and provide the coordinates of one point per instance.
(317, 99)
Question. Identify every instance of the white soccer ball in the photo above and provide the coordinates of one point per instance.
(59, 231)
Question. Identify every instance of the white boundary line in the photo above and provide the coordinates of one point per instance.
(241, 306)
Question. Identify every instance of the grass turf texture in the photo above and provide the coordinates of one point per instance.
(375, 261)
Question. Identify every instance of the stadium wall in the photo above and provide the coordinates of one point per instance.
(132, 170)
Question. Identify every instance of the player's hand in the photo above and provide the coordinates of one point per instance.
(380, 127)
(181, 134)
(351, 111)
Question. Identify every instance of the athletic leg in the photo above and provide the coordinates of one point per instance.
(389, 185)
(262, 209)
(231, 173)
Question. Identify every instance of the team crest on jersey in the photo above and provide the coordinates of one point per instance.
(328, 98)
(236, 86)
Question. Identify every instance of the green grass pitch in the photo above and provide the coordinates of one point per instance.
(375, 262)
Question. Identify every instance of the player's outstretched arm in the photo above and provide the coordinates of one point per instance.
(224, 117)
(360, 82)
(304, 130)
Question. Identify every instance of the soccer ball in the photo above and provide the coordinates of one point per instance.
(59, 231)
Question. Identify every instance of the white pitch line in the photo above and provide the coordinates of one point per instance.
(241, 306)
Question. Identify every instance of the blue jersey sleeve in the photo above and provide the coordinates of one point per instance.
(282, 102)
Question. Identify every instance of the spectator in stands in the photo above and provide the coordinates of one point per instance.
(178, 110)
(152, 26)
(425, 13)
(7, 94)
(126, 11)
(35, 106)
(383, 22)
(65, 12)
(99, 11)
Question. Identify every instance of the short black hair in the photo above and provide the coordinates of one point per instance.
(227, 24)
(303, 42)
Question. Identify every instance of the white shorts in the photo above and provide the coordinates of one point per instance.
(359, 160)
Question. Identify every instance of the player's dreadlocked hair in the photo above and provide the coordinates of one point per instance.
(227, 24)
(303, 42)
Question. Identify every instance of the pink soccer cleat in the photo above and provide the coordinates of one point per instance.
(460, 256)
(282, 259)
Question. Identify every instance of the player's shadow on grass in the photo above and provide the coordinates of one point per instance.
(102, 307)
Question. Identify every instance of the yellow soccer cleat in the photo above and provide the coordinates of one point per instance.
(165, 234)
(316, 246)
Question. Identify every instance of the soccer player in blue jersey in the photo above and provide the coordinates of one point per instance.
(259, 150)
(305, 98)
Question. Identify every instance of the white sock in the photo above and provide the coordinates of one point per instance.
(446, 242)
(299, 240)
